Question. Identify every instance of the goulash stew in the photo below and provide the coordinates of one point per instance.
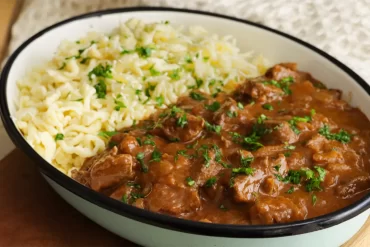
(281, 148)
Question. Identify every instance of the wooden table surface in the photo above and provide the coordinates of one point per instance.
(32, 214)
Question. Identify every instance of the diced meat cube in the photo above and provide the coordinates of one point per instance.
(240, 157)
(173, 200)
(316, 143)
(110, 171)
(186, 131)
(284, 70)
(297, 160)
(257, 90)
(270, 210)
(353, 187)
(269, 150)
(282, 133)
(328, 157)
(246, 187)
(121, 191)
(270, 186)
(128, 144)
(227, 114)
(201, 171)
(139, 203)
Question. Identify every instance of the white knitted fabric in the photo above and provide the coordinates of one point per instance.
(339, 27)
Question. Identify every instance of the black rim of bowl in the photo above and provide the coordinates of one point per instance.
(161, 220)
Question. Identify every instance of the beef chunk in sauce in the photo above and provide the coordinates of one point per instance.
(230, 158)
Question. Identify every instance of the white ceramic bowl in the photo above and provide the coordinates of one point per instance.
(151, 229)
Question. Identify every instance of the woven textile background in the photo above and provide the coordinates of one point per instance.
(339, 27)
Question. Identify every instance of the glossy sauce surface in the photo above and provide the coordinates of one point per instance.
(281, 148)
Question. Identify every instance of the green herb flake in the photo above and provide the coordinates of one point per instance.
(214, 106)
(190, 181)
(243, 170)
(199, 82)
(140, 157)
(101, 89)
(231, 114)
(182, 153)
(261, 119)
(156, 156)
(287, 154)
(291, 190)
(182, 121)
(59, 137)
(125, 198)
(63, 66)
(277, 167)
(119, 105)
(154, 72)
(101, 71)
(134, 185)
(197, 96)
(314, 199)
(144, 51)
(112, 144)
(268, 107)
(289, 147)
(188, 59)
(240, 106)
(107, 134)
(175, 74)
(159, 100)
(342, 136)
(214, 128)
(210, 182)
(245, 161)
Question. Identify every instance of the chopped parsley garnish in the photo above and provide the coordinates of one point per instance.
(135, 196)
(101, 89)
(312, 181)
(252, 141)
(313, 112)
(174, 139)
(245, 161)
(293, 123)
(59, 137)
(188, 59)
(261, 119)
(107, 134)
(111, 144)
(342, 136)
(167, 22)
(138, 139)
(197, 96)
(126, 52)
(156, 156)
(283, 84)
(159, 100)
(144, 51)
(181, 152)
(134, 185)
(149, 141)
(119, 105)
(85, 60)
(214, 106)
(277, 167)
(287, 154)
(289, 147)
(240, 106)
(314, 199)
(218, 154)
(140, 157)
(175, 74)
(101, 71)
(211, 181)
(291, 190)
(268, 107)
(149, 88)
(63, 66)
(214, 128)
(231, 114)
(182, 121)
(199, 82)
(154, 72)
(252, 102)
(125, 198)
(190, 181)
(205, 155)
(243, 170)
(175, 110)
